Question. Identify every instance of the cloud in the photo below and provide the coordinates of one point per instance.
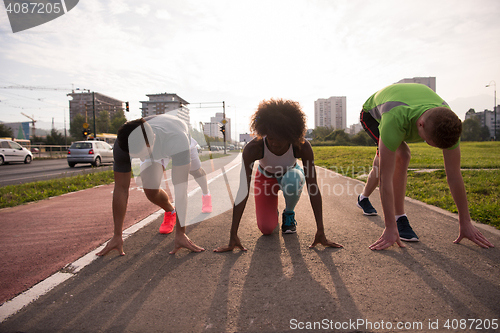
(163, 14)
(248, 51)
(143, 10)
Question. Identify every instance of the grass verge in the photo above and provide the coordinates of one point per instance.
(14, 195)
(482, 186)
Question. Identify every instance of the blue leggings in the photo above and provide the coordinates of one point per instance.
(266, 196)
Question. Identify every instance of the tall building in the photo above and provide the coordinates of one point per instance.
(166, 103)
(84, 103)
(246, 137)
(487, 118)
(212, 128)
(428, 81)
(355, 128)
(330, 112)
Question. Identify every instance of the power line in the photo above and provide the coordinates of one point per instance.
(32, 88)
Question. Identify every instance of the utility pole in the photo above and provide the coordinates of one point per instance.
(93, 110)
(224, 121)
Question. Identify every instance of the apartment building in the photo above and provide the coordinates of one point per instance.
(84, 103)
(166, 103)
(330, 112)
(428, 81)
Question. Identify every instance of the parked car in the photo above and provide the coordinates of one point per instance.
(11, 151)
(93, 152)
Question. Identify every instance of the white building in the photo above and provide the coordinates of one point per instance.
(212, 129)
(166, 103)
(246, 137)
(355, 129)
(486, 118)
(330, 112)
(428, 81)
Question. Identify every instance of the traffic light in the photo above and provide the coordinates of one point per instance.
(126, 107)
(223, 129)
(85, 133)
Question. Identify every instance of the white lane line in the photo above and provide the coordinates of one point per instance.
(14, 305)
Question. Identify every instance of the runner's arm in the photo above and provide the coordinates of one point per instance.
(457, 188)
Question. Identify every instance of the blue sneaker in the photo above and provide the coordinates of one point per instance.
(367, 207)
(289, 224)
(406, 233)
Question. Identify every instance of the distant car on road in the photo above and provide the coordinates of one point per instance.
(11, 151)
(93, 152)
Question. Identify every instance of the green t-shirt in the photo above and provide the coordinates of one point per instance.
(397, 109)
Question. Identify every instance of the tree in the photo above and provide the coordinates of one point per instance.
(340, 137)
(5, 131)
(471, 130)
(103, 122)
(320, 132)
(485, 133)
(117, 120)
(76, 127)
(55, 138)
(198, 136)
(362, 139)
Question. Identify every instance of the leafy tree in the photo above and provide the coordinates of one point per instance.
(5, 131)
(471, 130)
(76, 127)
(320, 132)
(55, 138)
(362, 139)
(485, 133)
(340, 137)
(117, 120)
(198, 136)
(103, 122)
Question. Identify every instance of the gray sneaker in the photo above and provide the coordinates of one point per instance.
(366, 206)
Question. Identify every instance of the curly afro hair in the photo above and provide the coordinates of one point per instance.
(283, 118)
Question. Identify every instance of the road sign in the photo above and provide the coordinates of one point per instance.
(85, 125)
(224, 121)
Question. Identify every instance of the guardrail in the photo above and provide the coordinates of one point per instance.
(49, 151)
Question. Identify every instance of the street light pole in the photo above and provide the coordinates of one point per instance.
(494, 109)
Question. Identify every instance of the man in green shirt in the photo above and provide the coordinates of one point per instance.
(410, 112)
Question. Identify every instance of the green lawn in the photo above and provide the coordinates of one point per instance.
(13, 195)
(483, 186)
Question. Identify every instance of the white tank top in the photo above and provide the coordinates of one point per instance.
(277, 165)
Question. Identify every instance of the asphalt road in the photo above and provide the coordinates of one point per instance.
(43, 169)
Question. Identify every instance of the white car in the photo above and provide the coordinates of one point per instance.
(11, 151)
(94, 152)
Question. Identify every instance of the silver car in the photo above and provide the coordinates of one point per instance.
(94, 152)
(11, 151)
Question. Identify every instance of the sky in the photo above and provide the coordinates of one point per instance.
(243, 52)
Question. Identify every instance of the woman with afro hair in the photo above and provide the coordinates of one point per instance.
(280, 127)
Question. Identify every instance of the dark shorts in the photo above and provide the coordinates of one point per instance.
(122, 161)
(370, 125)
